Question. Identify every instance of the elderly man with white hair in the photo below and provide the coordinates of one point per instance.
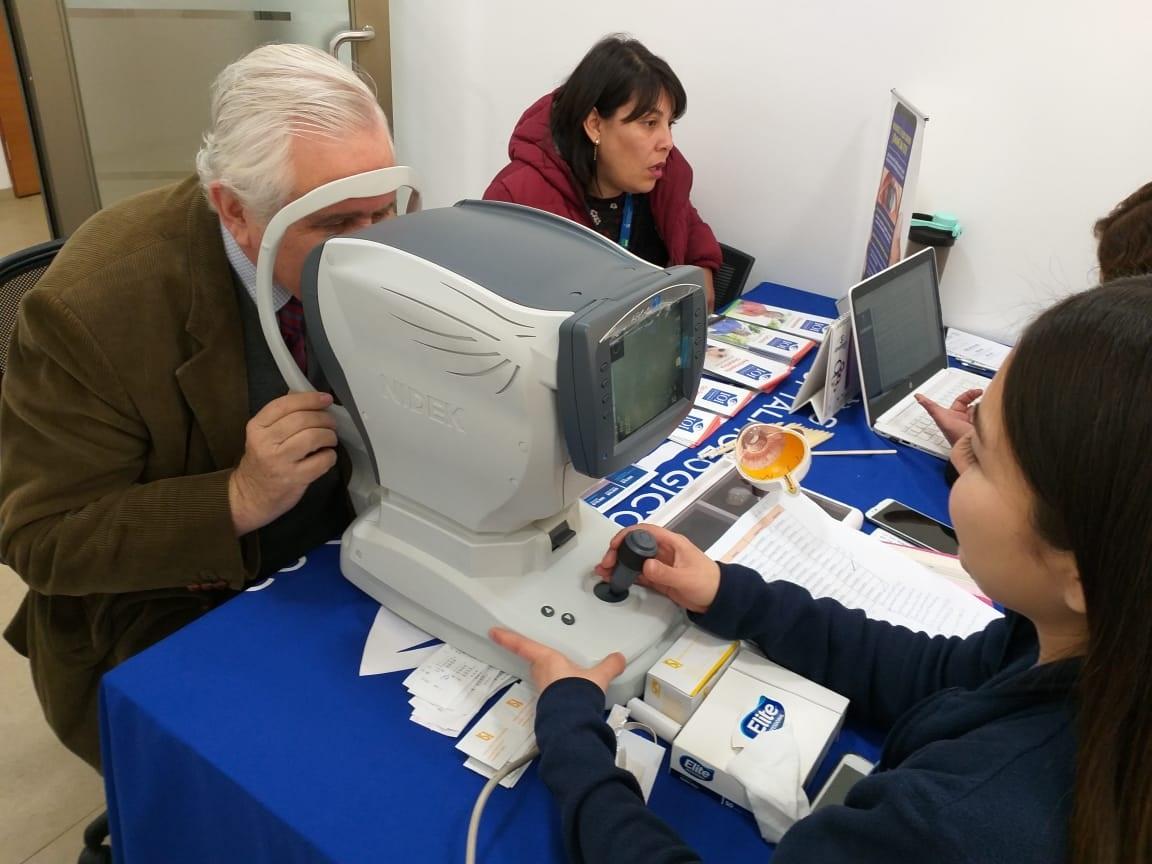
(153, 462)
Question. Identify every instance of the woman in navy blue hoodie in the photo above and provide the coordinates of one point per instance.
(1027, 742)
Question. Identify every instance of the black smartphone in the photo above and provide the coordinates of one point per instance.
(915, 527)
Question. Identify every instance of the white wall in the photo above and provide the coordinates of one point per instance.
(1040, 122)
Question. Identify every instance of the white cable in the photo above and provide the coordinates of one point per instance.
(494, 781)
(665, 726)
(482, 799)
(634, 726)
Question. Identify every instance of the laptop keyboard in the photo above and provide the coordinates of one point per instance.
(915, 424)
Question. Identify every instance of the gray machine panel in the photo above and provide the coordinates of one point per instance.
(530, 257)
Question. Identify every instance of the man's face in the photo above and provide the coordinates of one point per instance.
(314, 162)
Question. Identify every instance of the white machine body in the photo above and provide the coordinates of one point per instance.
(451, 386)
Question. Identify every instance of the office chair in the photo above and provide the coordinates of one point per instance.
(728, 283)
(18, 273)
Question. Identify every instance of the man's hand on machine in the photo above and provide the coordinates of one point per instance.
(680, 571)
(549, 665)
(289, 443)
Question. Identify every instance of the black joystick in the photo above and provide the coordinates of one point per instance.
(638, 547)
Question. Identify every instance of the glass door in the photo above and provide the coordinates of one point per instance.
(121, 94)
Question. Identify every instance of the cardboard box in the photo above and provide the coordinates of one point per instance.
(678, 682)
(755, 696)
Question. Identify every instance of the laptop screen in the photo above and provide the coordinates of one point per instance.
(898, 330)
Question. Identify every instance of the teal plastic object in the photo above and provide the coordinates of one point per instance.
(940, 222)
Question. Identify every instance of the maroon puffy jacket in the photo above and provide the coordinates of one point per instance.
(539, 177)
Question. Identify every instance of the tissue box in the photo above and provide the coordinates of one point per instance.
(678, 682)
(757, 696)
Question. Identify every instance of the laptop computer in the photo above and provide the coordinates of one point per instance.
(899, 337)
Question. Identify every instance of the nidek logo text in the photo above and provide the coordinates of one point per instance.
(765, 717)
(436, 410)
(700, 772)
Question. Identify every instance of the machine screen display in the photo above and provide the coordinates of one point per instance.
(647, 369)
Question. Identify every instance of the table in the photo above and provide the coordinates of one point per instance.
(248, 736)
(911, 476)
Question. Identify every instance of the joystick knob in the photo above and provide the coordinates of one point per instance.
(638, 547)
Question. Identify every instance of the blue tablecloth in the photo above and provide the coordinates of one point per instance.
(249, 736)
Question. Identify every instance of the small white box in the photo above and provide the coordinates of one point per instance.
(678, 682)
(755, 696)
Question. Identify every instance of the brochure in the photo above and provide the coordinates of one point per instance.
(763, 340)
(796, 323)
(696, 427)
(607, 493)
(744, 367)
(727, 400)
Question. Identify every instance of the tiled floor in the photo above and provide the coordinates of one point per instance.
(47, 795)
(22, 223)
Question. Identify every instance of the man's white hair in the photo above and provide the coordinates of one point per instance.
(262, 101)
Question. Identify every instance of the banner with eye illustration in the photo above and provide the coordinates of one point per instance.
(892, 211)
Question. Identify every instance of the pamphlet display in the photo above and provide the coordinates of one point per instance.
(832, 381)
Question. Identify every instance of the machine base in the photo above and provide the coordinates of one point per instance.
(457, 585)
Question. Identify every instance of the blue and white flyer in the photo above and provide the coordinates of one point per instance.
(727, 400)
(744, 367)
(763, 340)
(696, 427)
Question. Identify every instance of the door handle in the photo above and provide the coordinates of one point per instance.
(366, 34)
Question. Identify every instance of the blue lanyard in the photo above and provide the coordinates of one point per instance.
(626, 221)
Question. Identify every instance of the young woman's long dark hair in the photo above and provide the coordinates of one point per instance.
(1084, 449)
(610, 75)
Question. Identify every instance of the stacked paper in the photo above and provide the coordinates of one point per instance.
(976, 351)
(503, 735)
(449, 688)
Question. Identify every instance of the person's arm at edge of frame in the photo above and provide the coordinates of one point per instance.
(604, 817)
(883, 669)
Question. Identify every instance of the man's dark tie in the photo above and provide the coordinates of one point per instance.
(291, 318)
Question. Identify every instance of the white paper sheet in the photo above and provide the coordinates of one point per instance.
(386, 649)
(975, 350)
(500, 735)
(798, 542)
(449, 688)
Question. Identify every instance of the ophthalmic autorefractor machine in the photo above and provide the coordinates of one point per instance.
(488, 360)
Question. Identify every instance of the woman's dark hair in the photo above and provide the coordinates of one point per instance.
(1083, 447)
(616, 70)
(1124, 237)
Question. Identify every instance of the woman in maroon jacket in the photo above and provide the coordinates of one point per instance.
(599, 151)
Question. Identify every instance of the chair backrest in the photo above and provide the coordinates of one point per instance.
(730, 279)
(18, 273)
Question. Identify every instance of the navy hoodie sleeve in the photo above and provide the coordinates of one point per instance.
(882, 668)
(603, 813)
